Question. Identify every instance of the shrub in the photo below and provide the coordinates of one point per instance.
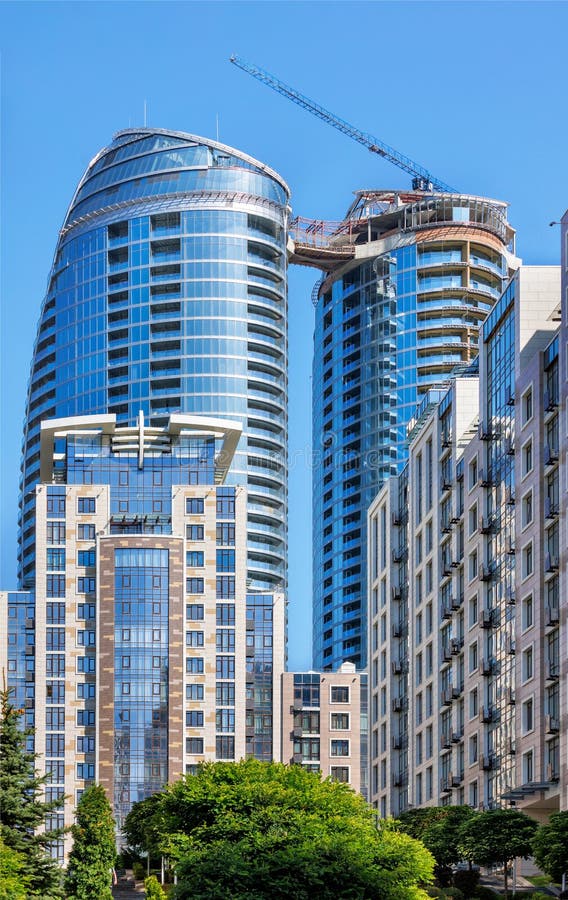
(467, 881)
(153, 888)
(454, 892)
(138, 871)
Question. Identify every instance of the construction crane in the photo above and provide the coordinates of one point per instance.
(421, 177)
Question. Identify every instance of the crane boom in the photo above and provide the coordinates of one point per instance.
(422, 177)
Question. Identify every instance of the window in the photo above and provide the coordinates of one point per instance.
(55, 505)
(225, 667)
(194, 639)
(472, 565)
(528, 767)
(225, 614)
(194, 745)
(527, 509)
(339, 773)
(85, 691)
(472, 473)
(527, 612)
(86, 505)
(225, 720)
(85, 717)
(85, 585)
(194, 692)
(55, 745)
(86, 638)
(340, 721)
(527, 406)
(473, 519)
(527, 561)
(55, 639)
(225, 560)
(473, 749)
(194, 506)
(195, 612)
(528, 715)
(85, 744)
(195, 585)
(473, 658)
(195, 558)
(85, 771)
(86, 664)
(195, 532)
(225, 693)
(194, 665)
(55, 585)
(473, 611)
(339, 694)
(527, 664)
(86, 558)
(225, 503)
(473, 704)
(225, 640)
(527, 458)
(56, 532)
(225, 747)
(339, 748)
(55, 613)
(194, 718)
(226, 534)
(55, 718)
(226, 586)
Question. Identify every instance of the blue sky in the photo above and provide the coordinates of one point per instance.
(476, 92)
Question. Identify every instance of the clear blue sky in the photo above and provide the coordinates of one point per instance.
(474, 91)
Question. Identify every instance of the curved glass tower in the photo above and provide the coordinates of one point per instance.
(168, 295)
(409, 278)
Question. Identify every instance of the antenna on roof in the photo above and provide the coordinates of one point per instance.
(217, 123)
(145, 113)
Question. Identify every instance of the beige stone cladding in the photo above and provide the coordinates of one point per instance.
(199, 530)
(321, 722)
(50, 691)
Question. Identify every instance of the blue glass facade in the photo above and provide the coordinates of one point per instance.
(168, 294)
(390, 325)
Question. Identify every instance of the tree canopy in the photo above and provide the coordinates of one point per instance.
(89, 870)
(550, 846)
(265, 830)
(438, 828)
(23, 807)
(13, 881)
(497, 836)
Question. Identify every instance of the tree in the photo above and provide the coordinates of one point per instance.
(13, 882)
(265, 830)
(153, 889)
(497, 836)
(438, 827)
(89, 871)
(24, 811)
(550, 846)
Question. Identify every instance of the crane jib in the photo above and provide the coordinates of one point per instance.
(421, 176)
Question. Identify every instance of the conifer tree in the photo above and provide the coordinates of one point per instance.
(89, 871)
(23, 809)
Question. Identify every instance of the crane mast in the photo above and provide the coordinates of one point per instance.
(422, 179)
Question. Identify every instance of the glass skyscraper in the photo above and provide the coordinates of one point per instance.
(167, 295)
(408, 278)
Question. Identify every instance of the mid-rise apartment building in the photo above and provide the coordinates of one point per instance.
(324, 723)
(471, 630)
(142, 652)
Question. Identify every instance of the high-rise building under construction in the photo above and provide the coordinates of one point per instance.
(408, 279)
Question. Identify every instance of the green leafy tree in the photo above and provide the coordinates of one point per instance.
(13, 881)
(438, 828)
(23, 809)
(89, 871)
(254, 831)
(550, 846)
(143, 826)
(497, 836)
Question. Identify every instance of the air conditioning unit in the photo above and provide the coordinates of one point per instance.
(551, 773)
(549, 400)
(445, 741)
(456, 737)
(298, 732)
(487, 618)
(511, 697)
(550, 455)
(397, 704)
(447, 696)
(297, 759)
(487, 762)
(551, 563)
(550, 508)
(396, 667)
(488, 666)
(552, 616)
(446, 654)
(455, 780)
(551, 725)
(456, 646)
